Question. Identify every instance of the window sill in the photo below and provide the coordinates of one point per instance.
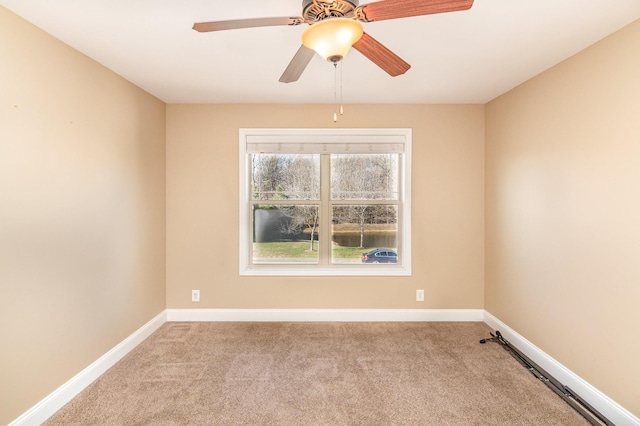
(305, 271)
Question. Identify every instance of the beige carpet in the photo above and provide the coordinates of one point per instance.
(318, 374)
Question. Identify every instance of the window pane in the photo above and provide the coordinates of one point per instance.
(360, 229)
(364, 177)
(285, 234)
(285, 176)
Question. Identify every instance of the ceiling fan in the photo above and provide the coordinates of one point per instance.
(325, 13)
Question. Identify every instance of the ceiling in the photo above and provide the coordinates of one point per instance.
(459, 57)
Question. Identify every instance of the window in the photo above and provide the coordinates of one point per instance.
(325, 202)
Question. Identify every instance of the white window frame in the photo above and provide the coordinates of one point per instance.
(312, 139)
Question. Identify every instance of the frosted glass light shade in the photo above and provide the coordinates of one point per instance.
(332, 38)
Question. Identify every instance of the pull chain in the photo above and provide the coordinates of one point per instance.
(341, 107)
(335, 89)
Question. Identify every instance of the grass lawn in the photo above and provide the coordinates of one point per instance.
(300, 250)
(290, 250)
(293, 249)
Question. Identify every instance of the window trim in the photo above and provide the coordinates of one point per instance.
(382, 136)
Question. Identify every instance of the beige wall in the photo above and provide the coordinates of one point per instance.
(202, 209)
(563, 213)
(82, 212)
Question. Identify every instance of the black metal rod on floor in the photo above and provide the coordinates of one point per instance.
(570, 397)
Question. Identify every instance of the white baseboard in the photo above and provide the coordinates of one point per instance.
(65, 393)
(325, 315)
(605, 405)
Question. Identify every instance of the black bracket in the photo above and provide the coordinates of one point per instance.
(581, 406)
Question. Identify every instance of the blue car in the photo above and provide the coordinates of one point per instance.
(380, 256)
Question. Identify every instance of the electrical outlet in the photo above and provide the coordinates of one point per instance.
(419, 295)
(195, 295)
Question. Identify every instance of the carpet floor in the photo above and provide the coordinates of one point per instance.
(318, 374)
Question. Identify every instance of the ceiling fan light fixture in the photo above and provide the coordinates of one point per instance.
(332, 38)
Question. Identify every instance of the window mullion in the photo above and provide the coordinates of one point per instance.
(325, 210)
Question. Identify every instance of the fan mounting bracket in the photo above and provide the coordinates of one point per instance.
(317, 10)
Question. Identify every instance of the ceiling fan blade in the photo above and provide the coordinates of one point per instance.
(381, 56)
(297, 65)
(205, 27)
(392, 9)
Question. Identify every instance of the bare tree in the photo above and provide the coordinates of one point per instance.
(290, 177)
(302, 182)
(358, 177)
(269, 172)
(363, 177)
(301, 218)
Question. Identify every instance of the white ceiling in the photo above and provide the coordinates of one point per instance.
(460, 57)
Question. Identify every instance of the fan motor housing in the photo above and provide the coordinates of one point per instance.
(317, 10)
